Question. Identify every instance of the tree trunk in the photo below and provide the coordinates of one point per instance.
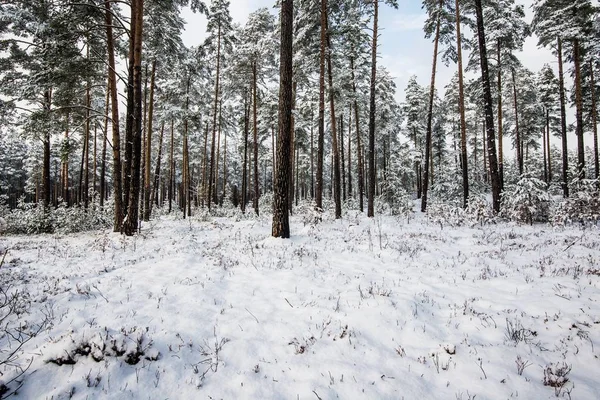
(103, 151)
(214, 127)
(579, 110)
(461, 109)
(255, 137)
(350, 151)
(281, 226)
(131, 224)
(155, 185)
(245, 164)
(428, 144)
(594, 121)
(500, 127)
(547, 133)
(65, 166)
(370, 206)
(46, 188)
(563, 122)
(361, 176)
(517, 132)
(116, 139)
(343, 156)
(321, 134)
(336, 154)
(545, 154)
(171, 169)
(204, 165)
(489, 117)
(147, 189)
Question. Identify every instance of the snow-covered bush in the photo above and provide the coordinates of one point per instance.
(446, 214)
(583, 206)
(526, 201)
(479, 211)
(31, 218)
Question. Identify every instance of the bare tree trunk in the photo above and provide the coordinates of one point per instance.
(545, 155)
(245, 164)
(350, 151)
(65, 166)
(336, 154)
(579, 110)
(428, 145)
(370, 207)
(147, 189)
(594, 122)
(131, 224)
(500, 127)
(104, 143)
(361, 176)
(321, 134)
(281, 226)
(547, 133)
(343, 156)
(171, 169)
(255, 137)
(205, 165)
(489, 117)
(218, 158)
(461, 109)
(155, 185)
(116, 139)
(517, 132)
(214, 127)
(563, 122)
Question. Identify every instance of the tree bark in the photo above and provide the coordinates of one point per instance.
(350, 151)
(461, 109)
(361, 176)
(214, 127)
(155, 185)
(500, 127)
(428, 144)
(147, 189)
(489, 117)
(371, 204)
(255, 137)
(116, 138)
(563, 122)
(579, 110)
(171, 169)
(281, 226)
(131, 224)
(336, 155)
(321, 134)
(245, 164)
(517, 132)
(594, 121)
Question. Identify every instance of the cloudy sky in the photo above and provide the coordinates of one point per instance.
(403, 49)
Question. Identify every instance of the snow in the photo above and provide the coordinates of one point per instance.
(355, 308)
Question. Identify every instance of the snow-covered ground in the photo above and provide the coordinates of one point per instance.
(352, 309)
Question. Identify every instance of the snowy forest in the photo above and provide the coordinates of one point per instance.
(267, 215)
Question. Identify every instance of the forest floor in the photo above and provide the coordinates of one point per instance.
(358, 308)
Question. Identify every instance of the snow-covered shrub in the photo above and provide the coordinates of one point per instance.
(445, 214)
(395, 200)
(526, 201)
(479, 211)
(31, 218)
(18, 327)
(265, 203)
(447, 189)
(583, 205)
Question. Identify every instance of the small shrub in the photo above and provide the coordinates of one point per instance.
(526, 201)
